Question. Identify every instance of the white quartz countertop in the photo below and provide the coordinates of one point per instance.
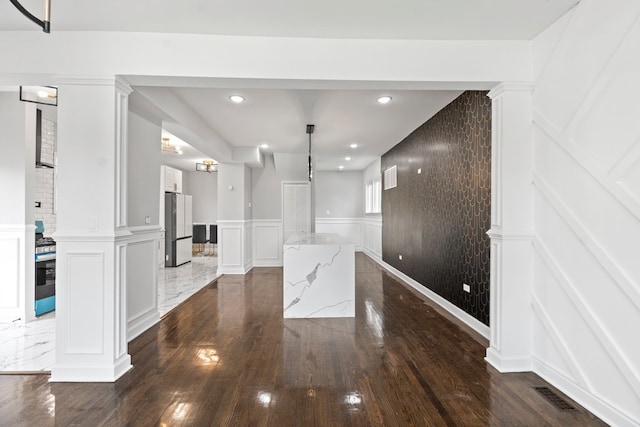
(317, 239)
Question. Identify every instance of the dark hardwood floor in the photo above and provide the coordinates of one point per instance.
(226, 357)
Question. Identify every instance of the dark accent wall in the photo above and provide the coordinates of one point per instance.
(438, 219)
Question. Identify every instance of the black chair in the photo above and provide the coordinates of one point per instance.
(200, 236)
(213, 233)
(213, 238)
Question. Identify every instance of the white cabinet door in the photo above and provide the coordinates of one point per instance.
(172, 180)
(169, 179)
(188, 216)
(296, 208)
(180, 216)
(178, 180)
(183, 250)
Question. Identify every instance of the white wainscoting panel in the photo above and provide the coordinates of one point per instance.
(142, 278)
(372, 237)
(586, 291)
(85, 313)
(248, 246)
(10, 260)
(232, 242)
(17, 286)
(349, 228)
(267, 243)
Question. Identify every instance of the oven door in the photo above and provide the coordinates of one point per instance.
(45, 285)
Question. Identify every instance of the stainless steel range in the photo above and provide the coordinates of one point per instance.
(45, 274)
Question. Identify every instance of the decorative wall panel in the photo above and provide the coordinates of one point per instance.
(437, 217)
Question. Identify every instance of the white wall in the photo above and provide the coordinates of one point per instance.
(143, 199)
(372, 224)
(231, 189)
(586, 296)
(339, 195)
(17, 173)
(339, 205)
(204, 189)
(267, 188)
(144, 178)
(235, 236)
(248, 193)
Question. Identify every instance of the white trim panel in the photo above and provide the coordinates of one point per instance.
(267, 243)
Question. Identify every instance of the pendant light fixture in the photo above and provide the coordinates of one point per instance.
(207, 166)
(310, 129)
(44, 23)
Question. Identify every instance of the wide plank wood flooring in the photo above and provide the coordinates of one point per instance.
(226, 357)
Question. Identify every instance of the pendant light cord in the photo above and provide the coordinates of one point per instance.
(44, 23)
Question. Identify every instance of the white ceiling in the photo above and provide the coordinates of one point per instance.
(278, 116)
(341, 117)
(368, 19)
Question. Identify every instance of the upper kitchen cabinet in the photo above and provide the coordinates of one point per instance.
(172, 180)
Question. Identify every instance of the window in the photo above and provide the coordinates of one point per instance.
(373, 196)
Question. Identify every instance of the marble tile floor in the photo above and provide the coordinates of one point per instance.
(30, 347)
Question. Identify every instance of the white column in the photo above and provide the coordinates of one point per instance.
(511, 229)
(92, 235)
(234, 220)
(17, 229)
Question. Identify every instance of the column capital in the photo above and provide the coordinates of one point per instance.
(503, 87)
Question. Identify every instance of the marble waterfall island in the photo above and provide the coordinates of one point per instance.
(319, 276)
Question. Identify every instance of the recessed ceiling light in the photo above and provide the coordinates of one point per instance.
(347, 158)
(354, 145)
(264, 145)
(384, 99)
(340, 167)
(180, 151)
(236, 98)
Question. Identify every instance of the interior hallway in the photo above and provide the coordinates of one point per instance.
(227, 357)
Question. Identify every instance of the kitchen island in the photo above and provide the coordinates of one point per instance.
(319, 276)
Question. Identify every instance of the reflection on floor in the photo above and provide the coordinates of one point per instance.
(29, 347)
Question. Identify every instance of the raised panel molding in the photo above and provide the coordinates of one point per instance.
(349, 228)
(267, 237)
(18, 277)
(625, 283)
(560, 344)
(85, 316)
(267, 243)
(617, 356)
(582, 158)
(248, 246)
(372, 237)
(232, 247)
(145, 315)
(11, 260)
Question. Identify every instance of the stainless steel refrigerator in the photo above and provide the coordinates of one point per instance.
(178, 226)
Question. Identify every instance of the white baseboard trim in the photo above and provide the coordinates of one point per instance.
(266, 263)
(603, 410)
(141, 323)
(91, 372)
(460, 314)
(233, 270)
(504, 365)
(373, 255)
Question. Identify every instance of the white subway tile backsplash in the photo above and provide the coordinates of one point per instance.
(45, 179)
